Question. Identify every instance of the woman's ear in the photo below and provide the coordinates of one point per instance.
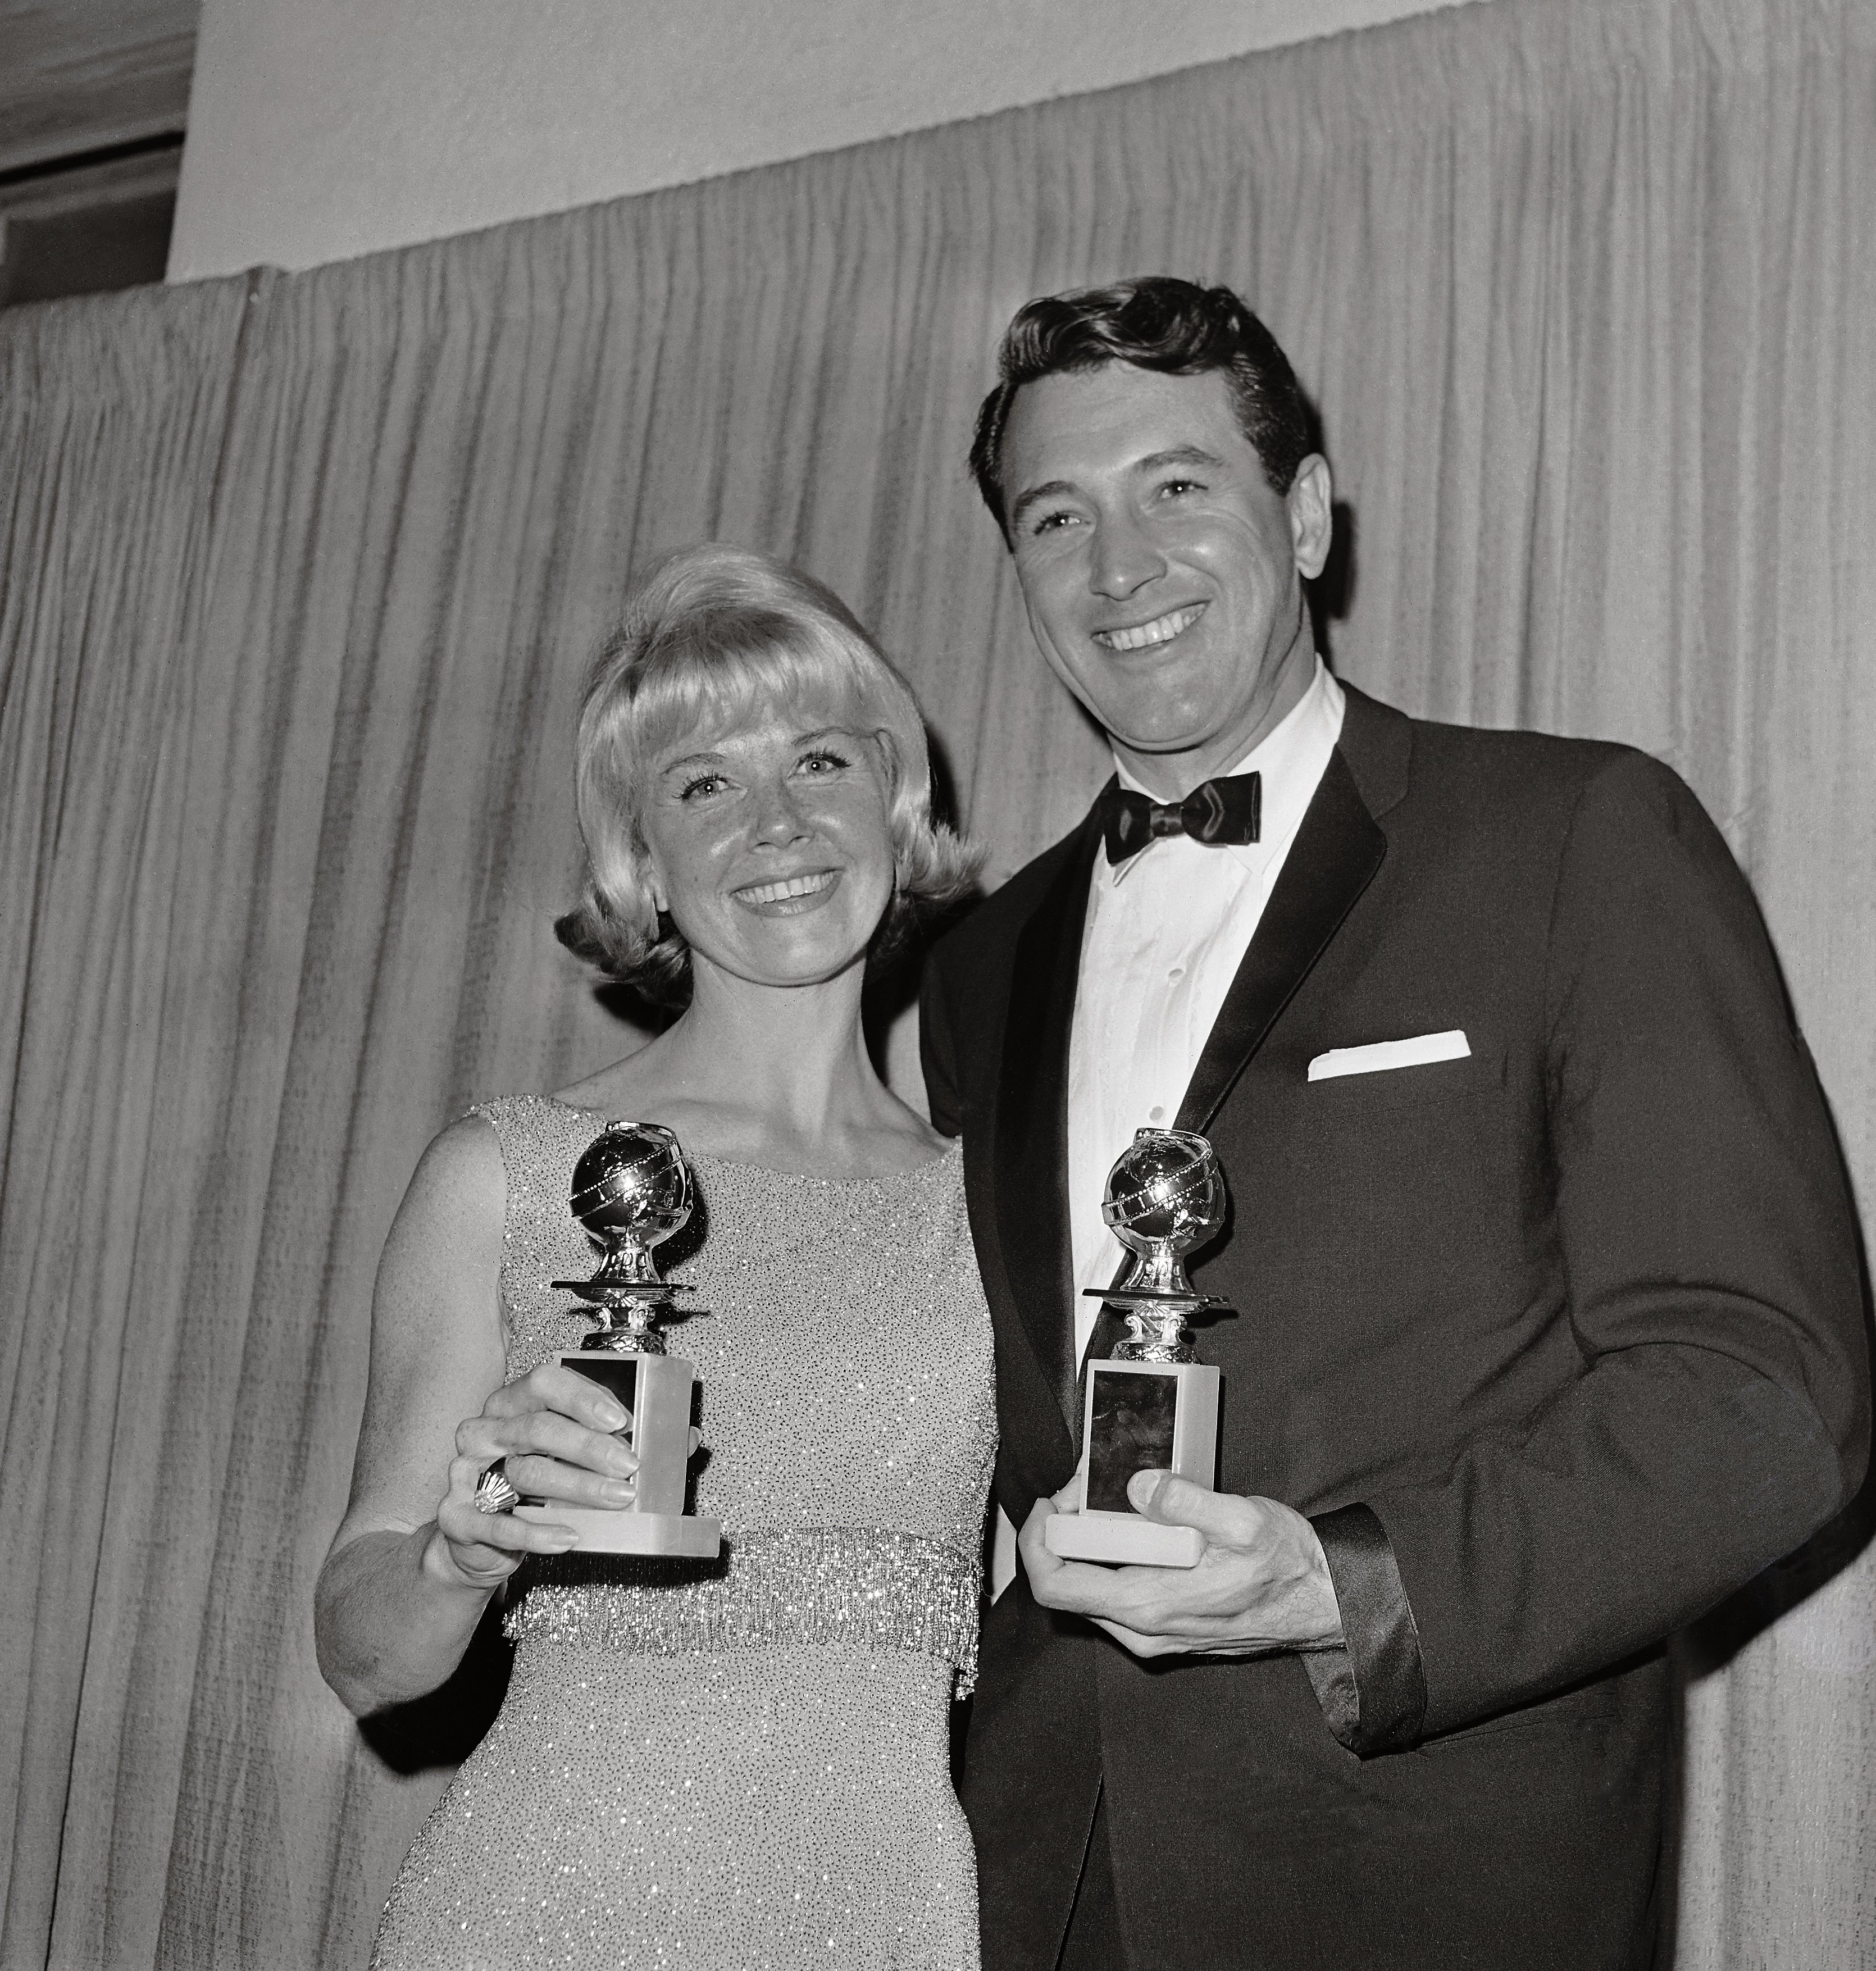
(888, 758)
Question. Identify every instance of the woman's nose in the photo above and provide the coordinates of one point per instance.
(778, 816)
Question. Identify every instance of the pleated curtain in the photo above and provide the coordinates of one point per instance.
(298, 577)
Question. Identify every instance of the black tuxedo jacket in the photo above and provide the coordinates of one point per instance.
(1557, 1344)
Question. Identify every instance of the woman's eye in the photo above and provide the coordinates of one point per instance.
(703, 784)
(822, 762)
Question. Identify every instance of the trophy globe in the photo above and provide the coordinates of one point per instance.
(631, 1191)
(1165, 1197)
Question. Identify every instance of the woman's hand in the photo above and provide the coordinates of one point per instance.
(555, 1428)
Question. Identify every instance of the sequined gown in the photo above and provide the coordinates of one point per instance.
(745, 1763)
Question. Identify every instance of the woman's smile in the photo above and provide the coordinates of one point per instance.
(789, 896)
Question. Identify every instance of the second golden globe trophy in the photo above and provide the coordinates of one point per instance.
(631, 1191)
(1153, 1406)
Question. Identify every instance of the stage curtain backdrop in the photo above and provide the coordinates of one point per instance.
(299, 576)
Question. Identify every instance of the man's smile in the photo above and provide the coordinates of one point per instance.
(1161, 630)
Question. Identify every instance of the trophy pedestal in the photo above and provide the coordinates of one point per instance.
(1139, 1417)
(656, 1390)
(603, 1529)
(1118, 1542)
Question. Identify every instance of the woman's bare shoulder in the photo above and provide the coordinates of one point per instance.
(459, 1189)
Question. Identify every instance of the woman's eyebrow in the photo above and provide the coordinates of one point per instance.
(690, 760)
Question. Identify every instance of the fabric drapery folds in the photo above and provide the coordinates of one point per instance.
(299, 578)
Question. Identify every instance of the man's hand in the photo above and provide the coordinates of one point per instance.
(1262, 1585)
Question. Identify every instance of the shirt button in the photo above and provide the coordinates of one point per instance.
(1156, 1114)
(1178, 971)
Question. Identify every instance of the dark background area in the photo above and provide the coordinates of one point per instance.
(94, 100)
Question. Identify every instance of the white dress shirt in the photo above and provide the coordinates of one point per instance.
(1167, 930)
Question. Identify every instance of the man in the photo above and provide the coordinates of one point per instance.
(1548, 1330)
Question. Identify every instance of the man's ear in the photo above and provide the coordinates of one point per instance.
(1311, 500)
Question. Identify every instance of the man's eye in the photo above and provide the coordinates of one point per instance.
(1173, 487)
(1052, 524)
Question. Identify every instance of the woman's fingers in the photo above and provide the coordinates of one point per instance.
(542, 1433)
(547, 1457)
(555, 1429)
(484, 1547)
(548, 1478)
(552, 1387)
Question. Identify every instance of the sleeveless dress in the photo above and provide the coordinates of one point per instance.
(743, 1762)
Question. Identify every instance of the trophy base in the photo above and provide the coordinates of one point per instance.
(1120, 1539)
(1139, 1415)
(681, 1536)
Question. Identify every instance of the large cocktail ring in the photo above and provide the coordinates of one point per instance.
(494, 1493)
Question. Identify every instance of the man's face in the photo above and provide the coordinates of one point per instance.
(1163, 576)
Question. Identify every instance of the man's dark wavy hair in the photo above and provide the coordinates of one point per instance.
(1153, 322)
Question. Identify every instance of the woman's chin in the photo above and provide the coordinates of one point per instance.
(811, 962)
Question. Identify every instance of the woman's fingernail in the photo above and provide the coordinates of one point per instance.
(616, 1491)
(612, 1416)
(619, 1459)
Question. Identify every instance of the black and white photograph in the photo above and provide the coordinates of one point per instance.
(937, 946)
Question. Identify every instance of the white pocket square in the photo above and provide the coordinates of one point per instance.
(1382, 1054)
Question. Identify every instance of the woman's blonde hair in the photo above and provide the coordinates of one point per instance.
(714, 632)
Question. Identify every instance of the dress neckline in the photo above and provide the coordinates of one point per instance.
(952, 1151)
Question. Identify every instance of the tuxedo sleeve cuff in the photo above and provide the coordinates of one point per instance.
(1372, 1690)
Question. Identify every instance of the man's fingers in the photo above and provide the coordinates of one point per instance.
(1133, 1641)
(1223, 1517)
(1191, 1605)
(1042, 1566)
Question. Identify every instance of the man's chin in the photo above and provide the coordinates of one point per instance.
(1161, 743)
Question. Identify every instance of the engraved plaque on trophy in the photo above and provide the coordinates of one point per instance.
(1152, 1407)
(631, 1191)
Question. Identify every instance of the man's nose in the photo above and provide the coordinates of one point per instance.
(1125, 560)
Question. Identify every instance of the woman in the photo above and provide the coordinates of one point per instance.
(741, 1764)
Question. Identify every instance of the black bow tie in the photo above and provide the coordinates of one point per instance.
(1227, 811)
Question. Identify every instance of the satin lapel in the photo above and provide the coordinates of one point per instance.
(1332, 860)
(1032, 1120)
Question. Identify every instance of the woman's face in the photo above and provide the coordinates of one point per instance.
(771, 844)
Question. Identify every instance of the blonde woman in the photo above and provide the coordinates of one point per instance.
(743, 1762)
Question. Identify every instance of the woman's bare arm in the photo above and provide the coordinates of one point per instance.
(413, 1564)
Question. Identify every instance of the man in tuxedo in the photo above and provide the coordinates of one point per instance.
(1548, 1329)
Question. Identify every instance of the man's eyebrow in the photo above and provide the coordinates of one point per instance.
(1178, 454)
(1052, 489)
(1153, 461)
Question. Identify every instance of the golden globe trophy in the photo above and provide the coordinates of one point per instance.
(1152, 1407)
(631, 1191)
